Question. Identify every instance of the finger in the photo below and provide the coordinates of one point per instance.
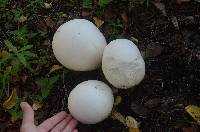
(75, 130)
(28, 113)
(51, 122)
(59, 127)
(70, 127)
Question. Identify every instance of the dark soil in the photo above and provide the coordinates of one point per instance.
(172, 58)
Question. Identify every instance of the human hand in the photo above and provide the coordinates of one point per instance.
(61, 122)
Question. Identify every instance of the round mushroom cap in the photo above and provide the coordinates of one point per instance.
(91, 101)
(78, 45)
(122, 64)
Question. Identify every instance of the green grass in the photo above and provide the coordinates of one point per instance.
(18, 44)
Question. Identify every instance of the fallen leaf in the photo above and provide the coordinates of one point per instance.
(13, 119)
(182, 1)
(22, 19)
(55, 68)
(175, 22)
(86, 13)
(134, 40)
(151, 103)
(47, 5)
(139, 109)
(153, 49)
(124, 19)
(98, 22)
(37, 106)
(10, 102)
(189, 129)
(50, 22)
(8, 69)
(118, 100)
(24, 78)
(194, 112)
(134, 129)
(161, 7)
(131, 122)
(41, 25)
(118, 116)
(3, 53)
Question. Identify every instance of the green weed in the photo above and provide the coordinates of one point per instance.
(89, 3)
(46, 84)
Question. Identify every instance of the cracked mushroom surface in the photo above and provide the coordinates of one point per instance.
(122, 64)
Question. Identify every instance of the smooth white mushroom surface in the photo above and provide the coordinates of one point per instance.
(91, 101)
(122, 64)
(78, 45)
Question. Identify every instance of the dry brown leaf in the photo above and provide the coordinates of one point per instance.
(50, 22)
(24, 78)
(10, 102)
(37, 105)
(124, 19)
(55, 68)
(175, 22)
(22, 19)
(8, 69)
(3, 53)
(189, 129)
(182, 1)
(151, 103)
(98, 22)
(161, 7)
(86, 13)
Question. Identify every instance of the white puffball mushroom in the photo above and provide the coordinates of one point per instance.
(78, 45)
(122, 64)
(91, 101)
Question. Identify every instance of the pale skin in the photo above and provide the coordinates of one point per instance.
(61, 122)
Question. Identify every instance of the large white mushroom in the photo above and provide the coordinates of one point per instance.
(90, 102)
(78, 45)
(122, 64)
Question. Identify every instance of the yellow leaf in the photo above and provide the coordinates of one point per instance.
(118, 100)
(10, 102)
(37, 106)
(118, 116)
(98, 22)
(194, 111)
(13, 119)
(131, 122)
(55, 68)
(134, 129)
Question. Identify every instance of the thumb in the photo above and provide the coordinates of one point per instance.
(28, 113)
